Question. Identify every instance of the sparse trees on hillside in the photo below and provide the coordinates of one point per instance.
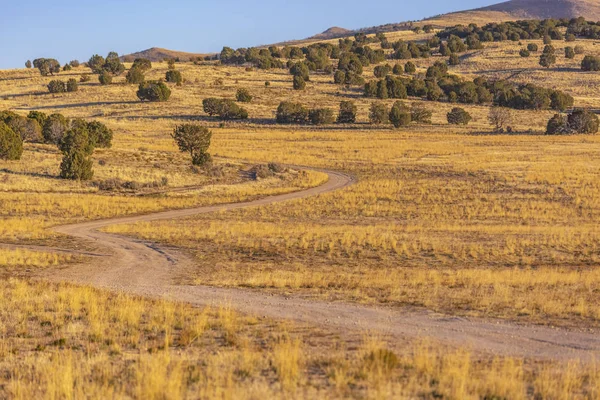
(195, 140)
(580, 121)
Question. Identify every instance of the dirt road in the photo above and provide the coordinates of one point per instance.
(149, 269)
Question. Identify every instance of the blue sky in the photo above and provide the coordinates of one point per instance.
(70, 29)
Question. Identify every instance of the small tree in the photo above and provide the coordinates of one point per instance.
(74, 63)
(400, 115)
(524, 53)
(100, 135)
(291, 113)
(347, 114)
(420, 113)
(153, 91)
(47, 66)
(174, 76)
(300, 69)
(532, 47)
(38, 116)
(499, 118)
(243, 95)
(28, 64)
(212, 106)
(548, 57)
(229, 110)
(72, 85)
(410, 68)
(378, 114)
(76, 165)
(547, 40)
(339, 77)
(381, 71)
(142, 64)
(77, 149)
(458, 116)
(561, 101)
(583, 121)
(454, 59)
(558, 125)
(54, 128)
(105, 78)
(11, 144)
(57, 86)
(135, 76)
(195, 140)
(95, 63)
(321, 116)
(85, 78)
(171, 63)
(569, 52)
(29, 130)
(590, 63)
(67, 67)
(299, 83)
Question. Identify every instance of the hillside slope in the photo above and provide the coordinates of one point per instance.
(159, 54)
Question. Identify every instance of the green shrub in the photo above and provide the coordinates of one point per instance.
(590, 63)
(420, 113)
(299, 83)
(548, 57)
(174, 76)
(105, 78)
(11, 145)
(291, 113)
(300, 69)
(57, 86)
(38, 116)
(54, 128)
(381, 71)
(153, 91)
(459, 116)
(321, 116)
(76, 165)
(74, 63)
(347, 114)
(29, 130)
(67, 67)
(378, 114)
(99, 134)
(400, 115)
(85, 78)
(410, 68)
(96, 63)
(212, 106)
(142, 64)
(229, 110)
(560, 101)
(558, 125)
(28, 64)
(47, 66)
(339, 77)
(569, 52)
(195, 140)
(454, 59)
(113, 65)
(583, 121)
(72, 85)
(243, 95)
(532, 47)
(524, 53)
(135, 76)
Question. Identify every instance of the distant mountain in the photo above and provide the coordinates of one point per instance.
(540, 9)
(158, 54)
(332, 33)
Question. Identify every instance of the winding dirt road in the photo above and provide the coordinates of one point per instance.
(148, 269)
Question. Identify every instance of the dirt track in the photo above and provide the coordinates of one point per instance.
(149, 269)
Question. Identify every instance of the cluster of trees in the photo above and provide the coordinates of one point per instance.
(400, 114)
(439, 85)
(225, 109)
(136, 74)
(260, 58)
(46, 66)
(57, 86)
(579, 121)
(296, 113)
(76, 139)
(107, 67)
(153, 91)
(511, 30)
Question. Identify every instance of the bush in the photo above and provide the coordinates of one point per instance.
(570, 37)
(153, 91)
(381, 71)
(339, 77)
(85, 78)
(291, 113)
(57, 86)
(300, 69)
(135, 76)
(499, 118)
(579, 49)
(47, 66)
(95, 63)
(400, 115)
(378, 114)
(347, 114)
(38, 116)
(142, 64)
(524, 53)
(560, 101)
(532, 47)
(321, 116)
(105, 78)
(569, 52)
(28, 64)
(28, 129)
(54, 128)
(173, 76)
(454, 59)
(113, 65)
(410, 68)
(74, 63)
(299, 83)
(193, 139)
(583, 121)
(548, 57)
(228, 110)
(76, 165)
(459, 116)
(11, 145)
(243, 95)
(67, 67)
(590, 63)
(212, 106)
(547, 39)
(99, 134)
(558, 125)
(72, 85)
(420, 113)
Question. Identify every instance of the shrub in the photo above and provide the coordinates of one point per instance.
(579, 49)
(142, 64)
(532, 47)
(54, 128)
(74, 63)
(153, 91)
(291, 113)
(547, 39)
(11, 145)
(300, 69)
(243, 95)
(267, 84)
(72, 85)
(400, 115)
(590, 63)
(47, 66)
(560, 101)
(583, 121)
(569, 52)
(28, 64)
(339, 77)
(105, 78)
(99, 134)
(381, 71)
(378, 114)
(135, 76)
(321, 116)
(454, 59)
(228, 110)
(57, 86)
(459, 116)
(67, 67)
(212, 106)
(524, 53)
(410, 68)
(76, 165)
(95, 63)
(173, 76)
(558, 125)
(499, 118)
(299, 83)
(193, 139)
(38, 116)
(347, 114)
(548, 57)
(570, 37)
(420, 113)
(113, 65)
(29, 130)
(85, 78)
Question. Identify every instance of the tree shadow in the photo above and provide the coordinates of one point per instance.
(32, 174)
(77, 105)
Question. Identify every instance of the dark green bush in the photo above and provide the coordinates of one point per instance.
(153, 91)
(569, 52)
(300, 69)
(410, 68)
(243, 95)
(590, 63)
(299, 83)
(347, 113)
(381, 71)
(142, 64)
(72, 85)
(96, 63)
(193, 139)
(74, 63)
(378, 114)
(212, 106)
(47, 66)
(339, 77)
(454, 59)
(174, 76)
(291, 113)
(321, 116)
(99, 135)
(11, 144)
(135, 76)
(459, 116)
(532, 47)
(400, 115)
(105, 78)
(76, 165)
(38, 116)
(229, 110)
(524, 53)
(583, 121)
(28, 64)
(57, 86)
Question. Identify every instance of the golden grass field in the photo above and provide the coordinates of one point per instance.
(451, 219)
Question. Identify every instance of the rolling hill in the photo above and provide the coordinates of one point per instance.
(159, 54)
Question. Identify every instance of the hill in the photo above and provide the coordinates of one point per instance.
(159, 54)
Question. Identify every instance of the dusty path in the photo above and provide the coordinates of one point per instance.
(148, 269)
